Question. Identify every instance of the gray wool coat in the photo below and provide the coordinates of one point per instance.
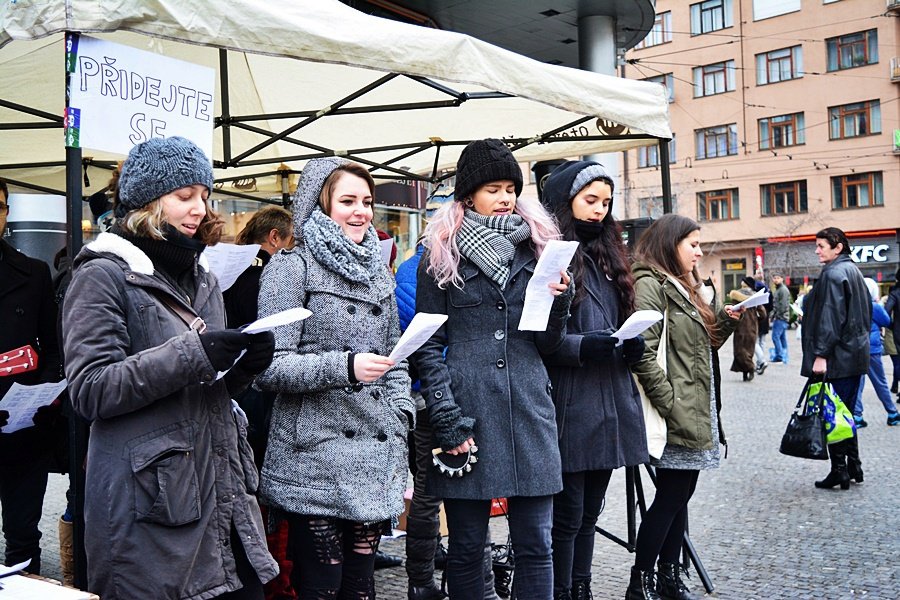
(336, 448)
(169, 474)
(495, 374)
(598, 408)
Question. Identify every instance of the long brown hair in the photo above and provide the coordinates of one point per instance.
(658, 246)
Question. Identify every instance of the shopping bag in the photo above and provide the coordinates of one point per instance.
(839, 423)
(805, 435)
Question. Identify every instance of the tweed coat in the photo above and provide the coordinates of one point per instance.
(495, 374)
(336, 448)
(598, 408)
(169, 471)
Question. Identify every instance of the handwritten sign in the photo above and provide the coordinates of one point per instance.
(121, 96)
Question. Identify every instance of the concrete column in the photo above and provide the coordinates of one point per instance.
(597, 52)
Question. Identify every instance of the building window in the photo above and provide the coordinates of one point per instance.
(652, 206)
(779, 65)
(764, 9)
(717, 141)
(648, 156)
(660, 33)
(783, 198)
(857, 190)
(852, 50)
(718, 205)
(716, 78)
(711, 15)
(781, 131)
(666, 80)
(854, 120)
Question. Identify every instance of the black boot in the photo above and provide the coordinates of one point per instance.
(642, 586)
(670, 585)
(581, 590)
(563, 595)
(854, 470)
(835, 477)
(428, 592)
(490, 588)
(421, 542)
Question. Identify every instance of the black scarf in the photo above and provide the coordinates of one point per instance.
(175, 257)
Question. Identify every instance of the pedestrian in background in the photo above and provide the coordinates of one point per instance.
(598, 408)
(781, 318)
(336, 464)
(876, 374)
(892, 306)
(744, 341)
(170, 510)
(483, 380)
(837, 317)
(760, 353)
(686, 394)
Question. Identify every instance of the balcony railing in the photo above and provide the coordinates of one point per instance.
(893, 5)
(895, 69)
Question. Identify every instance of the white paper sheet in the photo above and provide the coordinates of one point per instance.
(636, 324)
(19, 587)
(386, 247)
(538, 299)
(422, 327)
(758, 299)
(228, 261)
(4, 570)
(22, 401)
(285, 317)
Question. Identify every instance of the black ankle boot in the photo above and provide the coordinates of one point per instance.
(581, 590)
(642, 586)
(854, 471)
(425, 592)
(835, 477)
(563, 595)
(670, 585)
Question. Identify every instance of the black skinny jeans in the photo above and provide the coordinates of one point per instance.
(662, 528)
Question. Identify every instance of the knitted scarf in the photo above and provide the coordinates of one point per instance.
(338, 253)
(490, 242)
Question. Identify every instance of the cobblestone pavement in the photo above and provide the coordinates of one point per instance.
(759, 526)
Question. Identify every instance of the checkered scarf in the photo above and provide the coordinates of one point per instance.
(490, 242)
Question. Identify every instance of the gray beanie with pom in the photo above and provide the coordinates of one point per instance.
(158, 166)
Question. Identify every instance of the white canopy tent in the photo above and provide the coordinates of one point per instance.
(400, 98)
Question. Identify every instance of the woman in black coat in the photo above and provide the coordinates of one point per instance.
(598, 408)
(482, 379)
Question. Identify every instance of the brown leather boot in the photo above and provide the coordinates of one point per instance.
(66, 560)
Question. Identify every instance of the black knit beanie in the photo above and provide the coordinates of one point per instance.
(567, 180)
(483, 161)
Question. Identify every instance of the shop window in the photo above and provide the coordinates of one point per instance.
(711, 15)
(718, 205)
(666, 80)
(779, 65)
(716, 78)
(858, 190)
(854, 120)
(852, 50)
(660, 33)
(648, 156)
(717, 141)
(781, 131)
(783, 198)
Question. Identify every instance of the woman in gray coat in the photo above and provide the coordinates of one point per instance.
(336, 464)
(170, 511)
(491, 387)
(598, 408)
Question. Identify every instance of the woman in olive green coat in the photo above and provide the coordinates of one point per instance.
(686, 394)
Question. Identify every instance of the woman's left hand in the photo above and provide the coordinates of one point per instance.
(734, 314)
(558, 288)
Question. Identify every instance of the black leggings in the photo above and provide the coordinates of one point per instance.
(333, 558)
(662, 528)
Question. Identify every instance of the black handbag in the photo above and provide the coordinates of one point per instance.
(805, 434)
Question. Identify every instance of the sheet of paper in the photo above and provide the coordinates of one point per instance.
(758, 299)
(422, 327)
(386, 247)
(22, 401)
(28, 588)
(4, 570)
(285, 317)
(636, 324)
(538, 300)
(228, 261)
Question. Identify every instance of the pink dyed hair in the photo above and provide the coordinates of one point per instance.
(440, 237)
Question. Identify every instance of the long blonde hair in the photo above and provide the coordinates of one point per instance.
(148, 221)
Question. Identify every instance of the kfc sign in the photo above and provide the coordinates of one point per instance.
(871, 252)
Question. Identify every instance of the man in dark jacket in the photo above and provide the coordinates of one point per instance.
(781, 317)
(835, 339)
(29, 318)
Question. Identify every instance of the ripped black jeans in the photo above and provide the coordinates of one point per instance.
(334, 559)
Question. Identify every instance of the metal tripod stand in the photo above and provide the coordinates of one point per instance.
(634, 496)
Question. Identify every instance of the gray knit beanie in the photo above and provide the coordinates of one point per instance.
(159, 166)
(483, 161)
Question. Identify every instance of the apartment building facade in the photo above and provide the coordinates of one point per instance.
(785, 114)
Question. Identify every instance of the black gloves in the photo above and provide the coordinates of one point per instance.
(259, 352)
(449, 426)
(633, 349)
(4, 418)
(597, 347)
(223, 346)
(46, 416)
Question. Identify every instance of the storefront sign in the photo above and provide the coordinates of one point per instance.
(869, 253)
(121, 97)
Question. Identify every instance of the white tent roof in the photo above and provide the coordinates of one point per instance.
(303, 58)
